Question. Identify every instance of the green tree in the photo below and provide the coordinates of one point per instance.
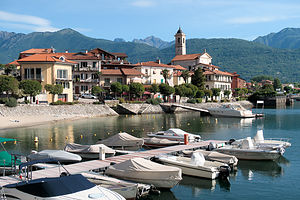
(208, 94)
(125, 88)
(193, 90)
(136, 89)
(8, 84)
(216, 92)
(154, 88)
(198, 79)
(166, 90)
(227, 93)
(54, 89)
(116, 88)
(200, 94)
(262, 77)
(166, 75)
(185, 75)
(97, 91)
(31, 88)
(277, 84)
(288, 89)
(245, 91)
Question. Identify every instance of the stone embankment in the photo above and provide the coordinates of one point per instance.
(28, 115)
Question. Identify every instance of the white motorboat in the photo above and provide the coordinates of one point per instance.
(259, 140)
(145, 171)
(246, 150)
(64, 187)
(197, 166)
(175, 134)
(123, 141)
(89, 151)
(231, 110)
(57, 155)
(159, 142)
(129, 190)
(232, 161)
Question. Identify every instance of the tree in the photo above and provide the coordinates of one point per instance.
(136, 89)
(185, 75)
(8, 84)
(208, 94)
(200, 94)
(97, 91)
(277, 84)
(166, 75)
(193, 90)
(154, 88)
(198, 79)
(166, 90)
(31, 88)
(227, 93)
(54, 89)
(116, 88)
(287, 89)
(262, 77)
(245, 91)
(125, 88)
(216, 92)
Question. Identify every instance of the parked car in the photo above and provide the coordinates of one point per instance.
(88, 96)
(75, 97)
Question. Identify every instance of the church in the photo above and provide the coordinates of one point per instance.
(215, 78)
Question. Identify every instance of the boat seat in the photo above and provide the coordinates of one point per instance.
(247, 143)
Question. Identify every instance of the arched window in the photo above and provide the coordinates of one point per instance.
(178, 40)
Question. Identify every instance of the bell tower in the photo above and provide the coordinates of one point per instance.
(180, 46)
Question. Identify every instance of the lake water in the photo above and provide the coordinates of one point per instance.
(253, 179)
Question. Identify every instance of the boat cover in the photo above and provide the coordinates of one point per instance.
(78, 148)
(143, 169)
(220, 157)
(58, 155)
(155, 140)
(122, 140)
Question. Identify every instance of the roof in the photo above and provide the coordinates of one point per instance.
(111, 72)
(178, 73)
(121, 72)
(120, 55)
(178, 67)
(79, 56)
(34, 51)
(179, 30)
(187, 57)
(217, 72)
(131, 72)
(15, 62)
(45, 58)
(154, 64)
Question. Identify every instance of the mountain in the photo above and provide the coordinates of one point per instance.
(247, 58)
(288, 38)
(154, 42)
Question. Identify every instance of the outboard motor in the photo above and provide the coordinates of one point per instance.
(224, 171)
(231, 141)
(211, 146)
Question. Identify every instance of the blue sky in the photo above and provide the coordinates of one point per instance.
(129, 19)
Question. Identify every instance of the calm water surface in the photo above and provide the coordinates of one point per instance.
(253, 179)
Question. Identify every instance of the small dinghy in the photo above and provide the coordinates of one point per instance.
(197, 166)
(58, 155)
(89, 151)
(145, 171)
(123, 141)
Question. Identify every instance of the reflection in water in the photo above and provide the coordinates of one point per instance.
(164, 195)
(267, 168)
(197, 184)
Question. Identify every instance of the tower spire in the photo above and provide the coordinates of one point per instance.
(180, 47)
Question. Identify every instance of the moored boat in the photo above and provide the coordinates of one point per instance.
(58, 155)
(231, 110)
(159, 142)
(175, 134)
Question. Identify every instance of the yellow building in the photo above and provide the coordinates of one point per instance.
(49, 69)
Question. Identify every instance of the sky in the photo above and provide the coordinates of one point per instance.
(130, 19)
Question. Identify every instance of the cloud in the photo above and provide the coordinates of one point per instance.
(262, 19)
(27, 22)
(143, 3)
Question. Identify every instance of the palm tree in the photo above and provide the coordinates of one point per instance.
(166, 75)
(185, 75)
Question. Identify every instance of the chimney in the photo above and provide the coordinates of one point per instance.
(67, 51)
(158, 61)
(86, 51)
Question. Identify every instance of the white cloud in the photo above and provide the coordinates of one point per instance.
(27, 21)
(143, 3)
(262, 19)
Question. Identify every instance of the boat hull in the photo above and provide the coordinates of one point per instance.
(251, 154)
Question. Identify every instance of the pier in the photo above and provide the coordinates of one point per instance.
(101, 164)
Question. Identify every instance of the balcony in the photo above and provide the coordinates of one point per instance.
(86, 69)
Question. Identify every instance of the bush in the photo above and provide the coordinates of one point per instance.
(59, 102)
(137, 102)
(27, 102)
(11, 102)
(121, 100)
(3, 100)
(199, 100)
(192, 101)
(155, 101)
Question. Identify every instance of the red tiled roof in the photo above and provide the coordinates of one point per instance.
(154, 64)
(178, 73)
(79, 56)
(217, 72)
(34, 51)
(120, 55)
(15, 62)
(187, 57)
(111, 72)
(178, 67)
(44, 58)
(131, 72)
(121, 72)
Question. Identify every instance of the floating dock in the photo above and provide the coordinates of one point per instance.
(101, 164)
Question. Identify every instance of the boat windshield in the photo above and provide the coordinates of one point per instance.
(233, 107)
(51, 187)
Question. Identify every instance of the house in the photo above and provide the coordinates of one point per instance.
(177, 75)
(30, 52)
(49, 69)
(237, 82)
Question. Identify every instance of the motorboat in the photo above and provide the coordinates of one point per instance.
(231, 110)
(89, 151)
(123, 141)
(246, 150)
(155, 142)
(259, 140)
(196, 166)
(232, 161)
(145, 171)
(175, 134)
(66, 186)
(58, 155)
(129, 190)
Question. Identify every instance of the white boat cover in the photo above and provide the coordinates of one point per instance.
(155, 140)
(220, 157)
(58, 155)
(143, 169)
(78, 148)
(122, 140)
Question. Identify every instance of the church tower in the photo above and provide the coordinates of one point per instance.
(180, 47)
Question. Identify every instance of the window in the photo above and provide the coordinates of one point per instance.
(62, 74)
(182, 40)
(146, 71)
(178, 40)
(154, 72)
(66, 85)
(120, 80)
(94, 64)
(83, 64)
(38, 73)
(107, 81)
(84, 88)
(94, 76)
